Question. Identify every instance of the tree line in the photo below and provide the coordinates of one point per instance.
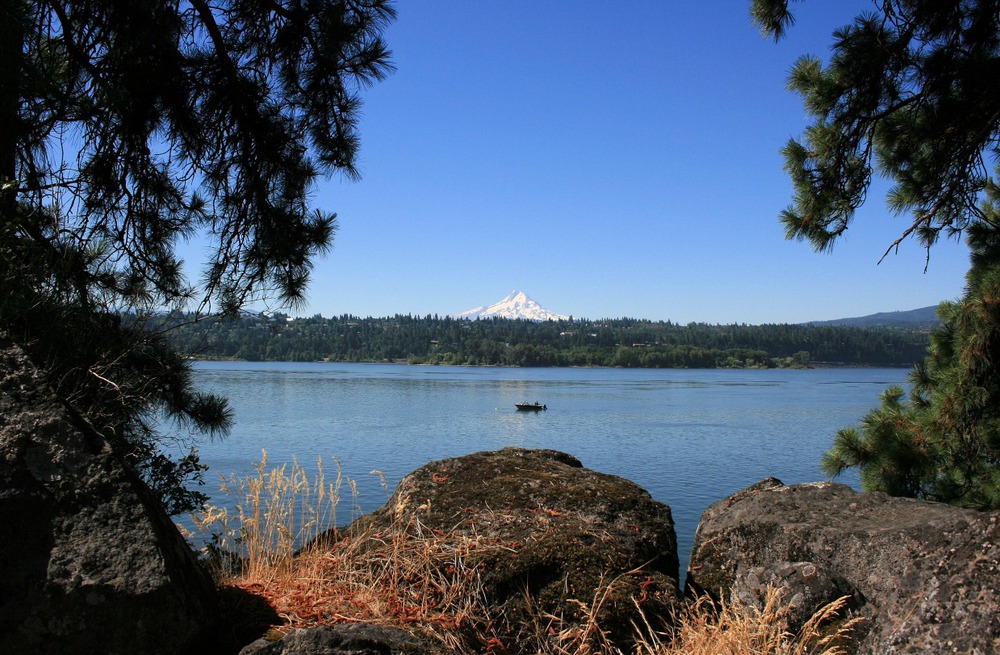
(622, 342)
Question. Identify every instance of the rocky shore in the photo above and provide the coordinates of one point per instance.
(90, 563)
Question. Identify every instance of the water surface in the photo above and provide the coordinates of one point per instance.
(690, 437)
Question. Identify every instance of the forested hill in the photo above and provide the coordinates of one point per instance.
(620, 342)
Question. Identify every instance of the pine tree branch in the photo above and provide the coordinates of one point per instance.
(78, 54)
(922, 220)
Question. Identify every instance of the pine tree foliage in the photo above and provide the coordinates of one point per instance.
(130, 126)
(910, 94)
(944, 444)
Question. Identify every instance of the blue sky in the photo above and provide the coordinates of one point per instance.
(608, 159)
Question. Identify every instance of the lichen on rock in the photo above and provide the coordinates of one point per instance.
(568, 541)
(925, 575)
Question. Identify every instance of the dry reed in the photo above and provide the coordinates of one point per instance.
(277, 511)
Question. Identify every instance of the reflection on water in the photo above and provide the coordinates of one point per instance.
(689, 437)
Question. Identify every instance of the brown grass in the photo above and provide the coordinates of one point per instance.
(277, 510)
(738, 629)
(413, 577)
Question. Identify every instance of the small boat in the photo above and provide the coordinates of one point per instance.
(530, 407)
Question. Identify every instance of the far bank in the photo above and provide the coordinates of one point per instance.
(616, 343)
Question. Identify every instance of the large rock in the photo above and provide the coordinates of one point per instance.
(89, 563)
(925, 576)
(345, 639)
(560, 533)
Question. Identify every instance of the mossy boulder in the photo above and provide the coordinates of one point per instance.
(553, 539)
(924, 576)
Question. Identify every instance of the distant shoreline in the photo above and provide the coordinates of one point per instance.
(812, 365)
(620, 343)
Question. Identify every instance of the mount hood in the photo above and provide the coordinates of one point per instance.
(516, 305)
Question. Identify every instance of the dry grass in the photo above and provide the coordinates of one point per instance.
(407, 575)
(278, 510)
(739, 629)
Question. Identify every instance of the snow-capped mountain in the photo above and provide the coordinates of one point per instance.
(515, 305)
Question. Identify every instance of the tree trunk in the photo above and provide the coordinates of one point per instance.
(11, 61)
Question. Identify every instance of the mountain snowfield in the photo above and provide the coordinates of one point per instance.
(516, 305)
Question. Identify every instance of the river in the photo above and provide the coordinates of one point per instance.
(690, 437)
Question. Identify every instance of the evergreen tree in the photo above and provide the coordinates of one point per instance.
(910, 93)
(130, 125)
(944, 444)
